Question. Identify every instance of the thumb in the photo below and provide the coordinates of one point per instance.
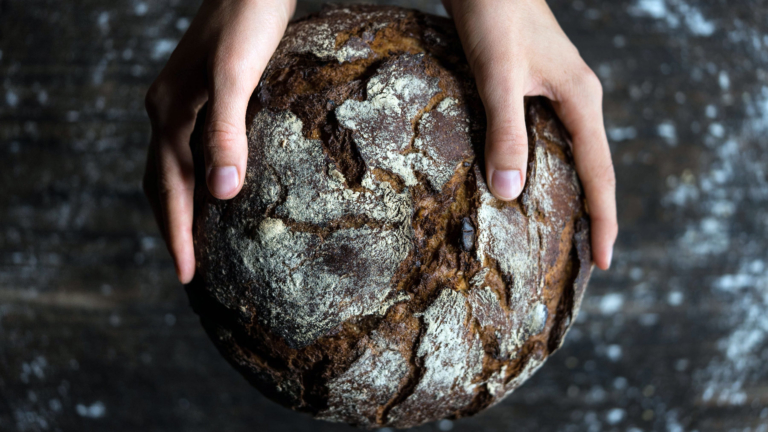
(499, 69)
(234, 69)
(226, 145)
(506, 144)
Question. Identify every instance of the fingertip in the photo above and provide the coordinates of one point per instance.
(184, 276)
(226, 154)
(506, 151)
(506, 185)
(602, 256)
(185, 270)
(605, 232)
(223, 182)
(604, 262)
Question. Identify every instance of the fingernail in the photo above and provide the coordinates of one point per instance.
(223, 180)
(507, 183)
(610, 257)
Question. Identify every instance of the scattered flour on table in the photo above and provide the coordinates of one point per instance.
(675, 13)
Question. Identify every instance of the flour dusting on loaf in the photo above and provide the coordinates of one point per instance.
(365, 274)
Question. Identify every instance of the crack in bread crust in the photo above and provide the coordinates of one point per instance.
(365, 274)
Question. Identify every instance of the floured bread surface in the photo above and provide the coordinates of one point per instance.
(365, 274)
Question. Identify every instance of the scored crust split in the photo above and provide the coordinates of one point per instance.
(364, 274)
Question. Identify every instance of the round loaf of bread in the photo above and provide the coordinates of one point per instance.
(364, 274)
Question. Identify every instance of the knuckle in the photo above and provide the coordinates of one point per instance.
(156, 98)
(611, 229)
(170, 188)
(582, 84)
(171, 181)
(229, 66)
(509, 135)
(223, 136)
(606, 177)
(589, 82)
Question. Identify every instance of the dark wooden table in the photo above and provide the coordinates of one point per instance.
(97, 335)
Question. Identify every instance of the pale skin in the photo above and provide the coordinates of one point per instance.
(515, 48)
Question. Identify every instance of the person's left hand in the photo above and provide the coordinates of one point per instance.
(219, 60)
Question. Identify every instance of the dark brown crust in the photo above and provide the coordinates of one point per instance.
(443, 255)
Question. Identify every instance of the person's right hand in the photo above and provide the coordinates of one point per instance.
(516, 48)
(219, 60)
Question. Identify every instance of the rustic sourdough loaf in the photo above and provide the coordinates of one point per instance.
(364, 274)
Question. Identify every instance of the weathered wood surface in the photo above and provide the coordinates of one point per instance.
(96, 334)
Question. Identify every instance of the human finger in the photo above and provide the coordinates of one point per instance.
(172, 113)
(234, 69)
(578, 102)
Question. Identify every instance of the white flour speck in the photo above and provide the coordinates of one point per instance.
(163, 48)
(668, 132)
(95, 410)
(611, 303)
(615, 416)
(674, 13)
